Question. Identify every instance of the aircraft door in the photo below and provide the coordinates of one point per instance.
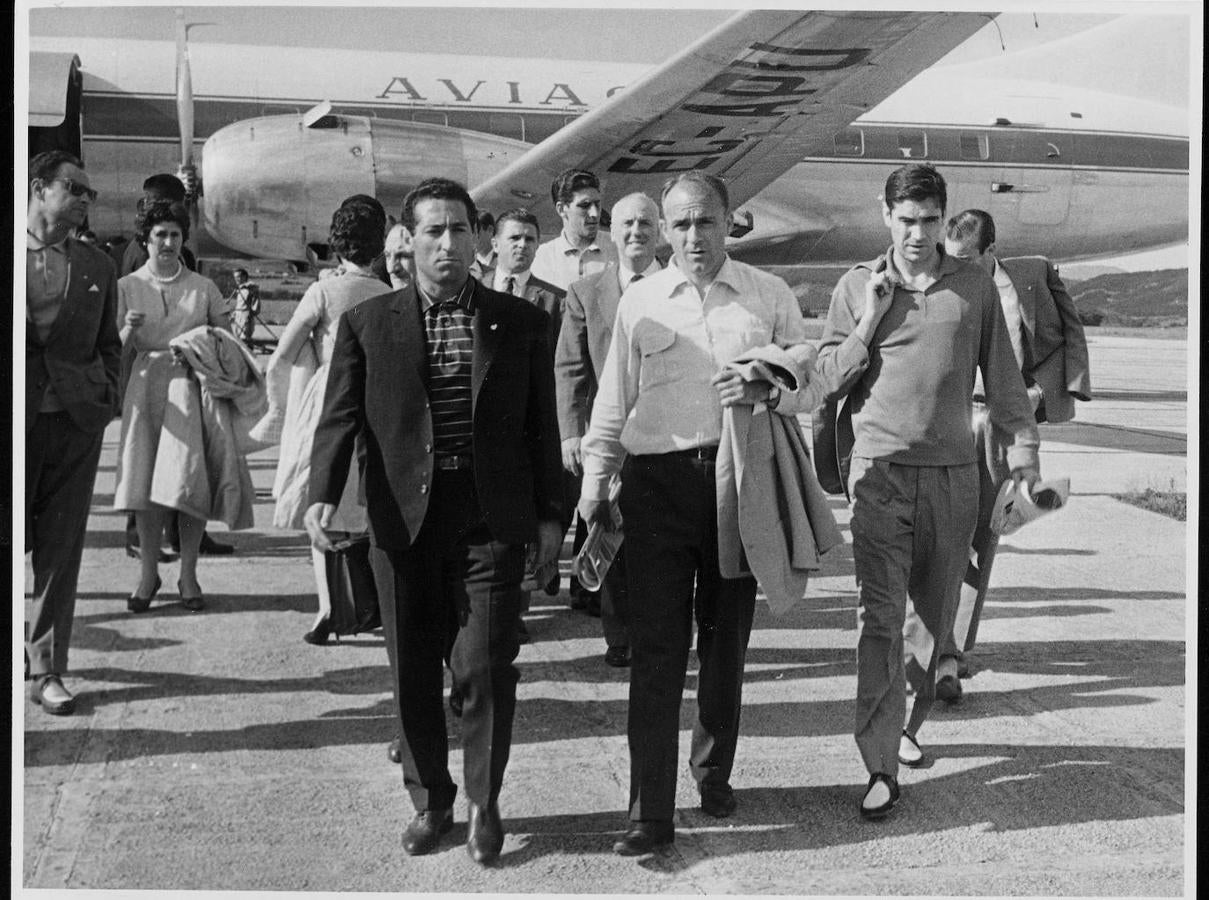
(1034, 181)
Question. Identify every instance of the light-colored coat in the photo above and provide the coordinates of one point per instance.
(1056, 338)
(583, 344)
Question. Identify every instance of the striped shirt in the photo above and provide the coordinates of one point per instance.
(449, 329)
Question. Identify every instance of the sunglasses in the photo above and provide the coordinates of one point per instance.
(76, 189)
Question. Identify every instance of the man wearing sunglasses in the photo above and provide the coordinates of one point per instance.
(72, 353)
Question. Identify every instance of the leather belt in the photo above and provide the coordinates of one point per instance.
(452, 463)
(704, 454)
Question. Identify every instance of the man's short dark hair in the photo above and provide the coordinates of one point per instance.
(486, 220)
(972, 222)
(566, 185)
(703, 180)
(917, 182)
(165, 186)
(357, 233)
(519, 214)
(437, 189)
(243, 272)
(45, 166)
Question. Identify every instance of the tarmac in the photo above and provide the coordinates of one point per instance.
(216, 751)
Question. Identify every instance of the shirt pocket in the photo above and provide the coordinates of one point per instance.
(655, 347)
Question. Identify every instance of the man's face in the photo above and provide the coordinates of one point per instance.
(241, 277)
(516, 244)
(967, 251)
(581, 216)
(696, 224)
(915, 228)
(442, 242)
(483, 241)
(58, 203)
(397, 254)
(635, 231)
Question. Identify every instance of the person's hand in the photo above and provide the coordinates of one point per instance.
(572, 459)
(879, 293)
(549, 542)
(134, 318)
(1028, 475)
(317, 518)
(596, 512)
(1034, 395)
(734, 390)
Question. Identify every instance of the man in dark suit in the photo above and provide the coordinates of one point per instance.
(450, 386)
(579, 359)
(72, 359)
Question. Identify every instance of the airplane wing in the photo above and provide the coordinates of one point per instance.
(743, 102)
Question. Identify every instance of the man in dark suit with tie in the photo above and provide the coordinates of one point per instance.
(579, 359)
(450, 386)
(72, 359)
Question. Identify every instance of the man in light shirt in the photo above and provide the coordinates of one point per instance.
(578, 250)
(583, 344)
(657, 419)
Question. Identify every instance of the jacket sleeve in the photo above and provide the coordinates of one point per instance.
(1078, 371)
(109, 342)
(541, 425)
(342, 418)
(575, 379)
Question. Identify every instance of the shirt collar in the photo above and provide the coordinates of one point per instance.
(34, 243)
(521, 278)
(727, 275)
(565, 247)
(1000, 275)
(625, 274)
(464, 298)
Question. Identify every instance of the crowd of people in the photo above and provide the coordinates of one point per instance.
(457, 392)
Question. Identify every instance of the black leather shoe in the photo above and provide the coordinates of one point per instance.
(617, 657)
(49, 693)
(486, 835)
(879, 812)
(718, 802)
(423, 833)
(211, 547)
(196, 603)
(394, 750)
(320, 633)
(645, 837)
(948, 688)
(137, 604)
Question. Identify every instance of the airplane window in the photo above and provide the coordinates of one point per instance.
(850, 143)
(506, 125)
(974, 145)
(912, 144)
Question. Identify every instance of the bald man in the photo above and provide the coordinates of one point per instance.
(398, 258)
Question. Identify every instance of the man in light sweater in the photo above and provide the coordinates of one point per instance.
(905, 334)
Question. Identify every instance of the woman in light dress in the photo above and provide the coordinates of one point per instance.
(356, 238)
(157, 303)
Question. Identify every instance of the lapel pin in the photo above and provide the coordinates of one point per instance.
(495, 325)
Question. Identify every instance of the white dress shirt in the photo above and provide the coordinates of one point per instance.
(626, 275)
(655, 394)
(1011, 311)
(520, 280)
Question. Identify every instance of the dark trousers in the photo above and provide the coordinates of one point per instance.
(60, 469)
(614, 602)
(671, 541)
(453, 594)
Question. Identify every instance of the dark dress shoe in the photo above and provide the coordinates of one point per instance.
(718, 802)
(423, 833)
(137, 604)
(211, 547)
(49, 693)
(617, 657)
(196, 603)
(880, 812)
(394, 750)
(948, 689)
(551, 588)
(645, 837)
(486, 835)
(319, 634)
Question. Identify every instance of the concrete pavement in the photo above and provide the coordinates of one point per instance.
(217, 751)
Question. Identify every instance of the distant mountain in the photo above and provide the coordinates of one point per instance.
(1133, 298)
(1085, 271)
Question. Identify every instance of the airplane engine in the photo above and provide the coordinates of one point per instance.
(270, 185)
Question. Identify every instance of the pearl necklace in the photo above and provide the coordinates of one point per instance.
(180, 267)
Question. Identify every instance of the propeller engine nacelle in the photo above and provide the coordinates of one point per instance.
(272, 184)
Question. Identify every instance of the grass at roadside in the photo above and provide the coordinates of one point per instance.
(1175, 333)
(1172, 504)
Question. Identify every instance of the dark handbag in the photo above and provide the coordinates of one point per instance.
(350, 582)
(833, 442)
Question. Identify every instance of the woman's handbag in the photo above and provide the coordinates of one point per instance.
(350, 582)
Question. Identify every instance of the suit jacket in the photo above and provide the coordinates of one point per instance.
(81, 355)
(542, 294)
(583, 344)
(1055, 336)
(377, 386)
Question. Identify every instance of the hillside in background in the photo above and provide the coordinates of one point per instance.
(1155, 299)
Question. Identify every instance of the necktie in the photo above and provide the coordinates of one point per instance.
(510, 285)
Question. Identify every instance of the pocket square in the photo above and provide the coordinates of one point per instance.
(93, 289)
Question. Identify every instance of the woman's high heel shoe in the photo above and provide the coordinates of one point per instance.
(320, 633)
(195, 603)
(137, 604)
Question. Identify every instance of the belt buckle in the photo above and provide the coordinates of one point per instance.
(453, 463)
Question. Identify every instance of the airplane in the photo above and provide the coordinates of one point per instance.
(804, 113)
